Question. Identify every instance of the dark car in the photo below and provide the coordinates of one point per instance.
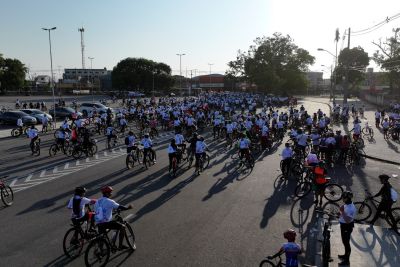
(11, 117)
(38, 114)
(64, 112)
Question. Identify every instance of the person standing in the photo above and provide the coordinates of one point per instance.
(346, 220)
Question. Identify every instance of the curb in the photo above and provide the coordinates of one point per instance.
(319, 238)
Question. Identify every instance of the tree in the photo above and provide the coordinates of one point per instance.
(274, 64)
(133, 73)
(388, 58)
(351, 64)
(12, 74)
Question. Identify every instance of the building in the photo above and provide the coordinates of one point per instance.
(42, 80)
(315, 81)
(79, 74)
(86, 79)
(213, 82)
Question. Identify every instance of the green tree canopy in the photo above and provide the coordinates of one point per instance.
(12, 74)
(352, 62)
(133, 73)
(274, 64)
(388, 58)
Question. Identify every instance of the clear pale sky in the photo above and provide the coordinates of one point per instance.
(207, 31)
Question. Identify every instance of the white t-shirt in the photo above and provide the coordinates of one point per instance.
(103, 208)
(312, 158)
(84, 202)
(350, 211)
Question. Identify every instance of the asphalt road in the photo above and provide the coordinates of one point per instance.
(220, 218)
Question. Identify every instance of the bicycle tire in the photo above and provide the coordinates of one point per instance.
(396, 215)
(333, 192)
(206, 162)
(94, 148)
(130, 237)
(53, 150)
(302, 189)
(363, 211)
(100, 249)
(7, 195)
(68, 150)
(73, 250)
(36, 149)
(76, 153)
(266, 263)
(130, 161)
(15, 132)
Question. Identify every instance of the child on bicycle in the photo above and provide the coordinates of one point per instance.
(291, 249)
(319, 181)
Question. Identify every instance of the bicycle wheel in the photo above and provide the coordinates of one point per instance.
(97, 253)
(15, 132)
(53, 150)
(333, 192)
(140, 155)
(396, 215)
(302, 189)
(130, 237)
(363, 211)
(76, 153)
(206, 161)
(266, 263)
(7, 195)
(365, 131)
(94, 148)
(36, 149)
(130, 161)
(68, 150)
(73, 243)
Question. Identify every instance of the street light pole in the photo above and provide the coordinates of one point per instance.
(52, 75)
(180, 69)
(91, 74)
(210, 64)
(335, 56)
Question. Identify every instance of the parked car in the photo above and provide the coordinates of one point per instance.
(38, 114)
(11, 117)
(63, 112)
(87, 108)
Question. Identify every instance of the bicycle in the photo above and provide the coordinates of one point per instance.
(368, 131)
(331, 191)
(364, 210)
(326, 242)
(16, 132)
(36, 147)
(6, 192)
(149, 158)
(133, 156)
(202, 163)
(277, 262)
(76, 236)
(99, 249)
(55, 148)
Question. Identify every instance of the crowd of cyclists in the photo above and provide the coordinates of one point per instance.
(247, 123)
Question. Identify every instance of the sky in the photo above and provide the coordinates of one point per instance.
(206, 31)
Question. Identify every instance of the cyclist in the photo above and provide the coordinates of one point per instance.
(356, 130)
(301, 141)
(20, 124)
(244, 145)
(385, 126)
(200, 149)
(111, 134)
(45, 122)
(377, 118)
(172, 149)
(291, 249)
(130, 140)
(319, 181)
(148, 147)
(312, 158)
(33, 134)
(346, 220)
(344, 148)
(103, 218)
(78, 203)
(192, 146)
(287, 154)
(61, 136)
(180, 141)
(386, 201)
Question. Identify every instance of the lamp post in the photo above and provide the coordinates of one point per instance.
(210, 64)
(332, 88)
(52, 77)
(91, 75)
(180, 69)
(330, 78)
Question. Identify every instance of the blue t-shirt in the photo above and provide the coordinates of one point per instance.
(291, 251)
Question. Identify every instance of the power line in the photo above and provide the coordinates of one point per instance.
(376, 26)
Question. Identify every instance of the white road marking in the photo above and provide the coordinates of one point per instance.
(55, 170)
(13, 182)
(127, 217)
(77, 162)
(28, 178)
(43, 173)
(66, 166)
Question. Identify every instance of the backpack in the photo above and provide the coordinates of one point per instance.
(127, 140)
(393, 194)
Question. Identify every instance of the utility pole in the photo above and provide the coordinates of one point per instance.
(346, 81)
(82, 30)
(180, 69)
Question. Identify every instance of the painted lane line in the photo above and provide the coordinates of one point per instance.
(66, 166)
(77, 162)
(105, 153)
(55, 169)
(96, 156)
(28, 178)
(87, 160)
(13, 182)
(43, 173)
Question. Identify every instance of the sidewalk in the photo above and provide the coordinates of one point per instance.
(370, 246)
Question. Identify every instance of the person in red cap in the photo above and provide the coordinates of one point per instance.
(103, 218)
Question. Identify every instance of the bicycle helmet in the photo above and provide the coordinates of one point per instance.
(384, 177)
(106, 189)
(80, 190)
(290, 235)
(347, 194)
